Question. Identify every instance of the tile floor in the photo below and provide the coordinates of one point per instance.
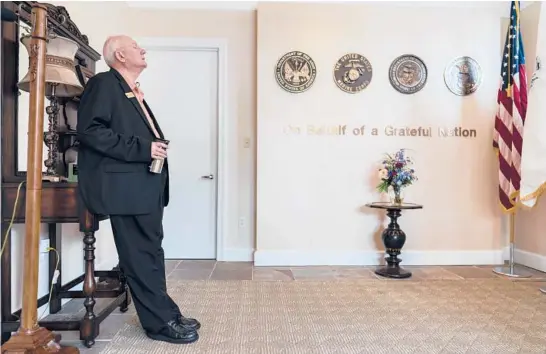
(204, 270)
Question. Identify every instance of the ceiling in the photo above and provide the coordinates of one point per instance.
(500, 6)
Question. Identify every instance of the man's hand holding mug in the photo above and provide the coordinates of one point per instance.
(159, 150)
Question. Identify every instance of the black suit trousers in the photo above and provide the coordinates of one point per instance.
(138, 241)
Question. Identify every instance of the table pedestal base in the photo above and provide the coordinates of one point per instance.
(393, 272)
(393, 239)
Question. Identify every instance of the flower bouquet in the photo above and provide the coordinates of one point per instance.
(396, 174)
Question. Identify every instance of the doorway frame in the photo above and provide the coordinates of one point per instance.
(223, 128)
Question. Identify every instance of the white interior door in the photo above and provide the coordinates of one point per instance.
(181, 87)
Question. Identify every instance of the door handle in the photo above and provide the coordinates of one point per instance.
(207, 177)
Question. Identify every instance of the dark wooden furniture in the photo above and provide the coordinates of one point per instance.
(60, 203)
(393, 239)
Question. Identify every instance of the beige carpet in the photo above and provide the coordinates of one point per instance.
(349, 317)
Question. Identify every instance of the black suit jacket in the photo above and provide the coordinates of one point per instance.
(115, 150)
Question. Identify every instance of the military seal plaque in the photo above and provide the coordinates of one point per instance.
(463, 76)
(408, 74)
(352, 73)
(295, 72)
(535, 74)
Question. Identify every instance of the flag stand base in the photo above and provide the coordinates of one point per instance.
(511, 270)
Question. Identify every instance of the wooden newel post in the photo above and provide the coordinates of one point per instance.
(30, 338)
(38, 45)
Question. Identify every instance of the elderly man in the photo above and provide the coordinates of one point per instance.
(118, 136)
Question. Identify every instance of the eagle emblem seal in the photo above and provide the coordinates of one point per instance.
(295, 72)
(463, 76)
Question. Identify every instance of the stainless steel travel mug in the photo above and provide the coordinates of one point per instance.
(157, 164)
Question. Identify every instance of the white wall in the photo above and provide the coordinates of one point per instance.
(312, 189)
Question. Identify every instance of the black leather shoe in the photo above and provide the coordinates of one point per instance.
(175, 333)
(188, 322)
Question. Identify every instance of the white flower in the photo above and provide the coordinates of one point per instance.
(383, 173)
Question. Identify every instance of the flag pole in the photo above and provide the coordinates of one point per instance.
(511, 270)
(515, 57)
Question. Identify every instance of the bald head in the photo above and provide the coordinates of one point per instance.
(122, 52)
(111, 46)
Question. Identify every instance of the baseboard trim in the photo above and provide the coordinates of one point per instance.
(360, 258)
(287, 258)
(529, 259)
(237, 255)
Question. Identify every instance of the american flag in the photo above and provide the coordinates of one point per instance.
(512, 108)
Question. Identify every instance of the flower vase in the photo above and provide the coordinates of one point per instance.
(396, 195)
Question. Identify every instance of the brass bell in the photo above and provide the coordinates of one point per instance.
(60, 72)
